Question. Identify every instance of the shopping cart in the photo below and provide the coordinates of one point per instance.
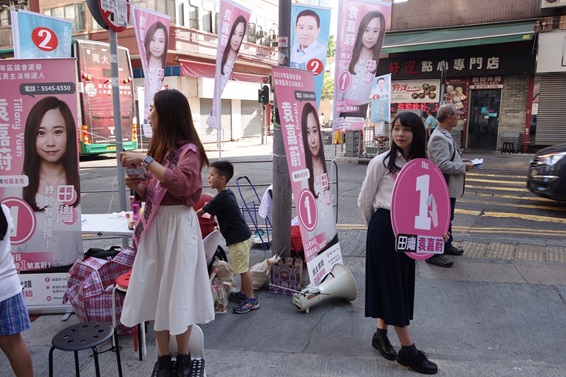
(261, 228)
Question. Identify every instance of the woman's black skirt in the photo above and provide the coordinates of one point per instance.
(390, 275)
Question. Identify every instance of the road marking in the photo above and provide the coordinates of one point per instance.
(514, 205)
(496, 175)
(508, 215)
(467, 229)
(496, 188)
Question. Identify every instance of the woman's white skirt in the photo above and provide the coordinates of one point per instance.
(169, 283)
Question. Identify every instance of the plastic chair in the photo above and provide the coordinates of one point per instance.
(196, 346)
(121, 285)
(211, 243)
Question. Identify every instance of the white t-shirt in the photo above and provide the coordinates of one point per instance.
(9, 281)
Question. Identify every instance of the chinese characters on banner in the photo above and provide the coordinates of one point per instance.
(233, 25)
(361, 31)
(417, 94)
(39, 167)
(310, 182)
(309, 37)
(38, 36)
(152, 34)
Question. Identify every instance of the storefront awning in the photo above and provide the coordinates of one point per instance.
(457, 37)
(202, 69)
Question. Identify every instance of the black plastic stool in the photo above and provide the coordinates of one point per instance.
(80, 337)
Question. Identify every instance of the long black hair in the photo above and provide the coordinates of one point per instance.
(418, 146)
(3, 224)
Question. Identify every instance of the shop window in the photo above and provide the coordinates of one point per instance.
(5, 18)
(250, 37)
(207, 20)
(73, 12)
(193, 17)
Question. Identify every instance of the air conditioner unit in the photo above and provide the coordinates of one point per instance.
(552, 4)
(261, 34)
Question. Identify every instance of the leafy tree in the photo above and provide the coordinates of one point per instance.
(331, 51)
(327, 87)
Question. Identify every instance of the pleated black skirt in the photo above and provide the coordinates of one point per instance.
(390, 275)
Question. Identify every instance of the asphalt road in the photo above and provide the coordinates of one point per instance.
(496, 204)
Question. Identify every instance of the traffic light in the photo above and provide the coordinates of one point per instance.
(263, 95)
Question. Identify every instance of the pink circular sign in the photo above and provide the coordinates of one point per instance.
(24, 220)
(420, 209)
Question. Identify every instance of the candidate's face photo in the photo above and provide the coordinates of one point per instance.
(313, 136)
(237, 37)
(51, 142)
(307, 30)
(371, 33)
(157, 44)
(381, 85)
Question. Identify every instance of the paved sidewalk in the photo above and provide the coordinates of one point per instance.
(500, 311)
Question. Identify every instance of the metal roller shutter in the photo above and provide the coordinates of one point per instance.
(208, 135)
(551, 118)
(251, 118)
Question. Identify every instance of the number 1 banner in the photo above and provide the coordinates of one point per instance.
(38, 36)
(361, 31)
(420, 209)
(302, 137)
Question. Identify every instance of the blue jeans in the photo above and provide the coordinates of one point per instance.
(448, 244)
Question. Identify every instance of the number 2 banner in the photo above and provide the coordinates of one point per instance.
(38, 36)
(302, 137)
(420, 209)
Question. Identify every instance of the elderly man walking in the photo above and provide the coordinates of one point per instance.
(446, 154)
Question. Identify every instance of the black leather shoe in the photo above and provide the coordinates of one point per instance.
(440, 260)
(383, 345)
(453, 250)
(419, 362)
(164, 366)
(184, 365)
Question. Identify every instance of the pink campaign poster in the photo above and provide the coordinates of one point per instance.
(152, 34)
(233, 25)
(361, 31)
(296, 103)
(39, 173)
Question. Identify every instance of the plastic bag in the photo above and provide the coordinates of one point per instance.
(223, 268)
(260, 271)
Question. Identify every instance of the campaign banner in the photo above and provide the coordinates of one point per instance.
(152, 34)
(310, 27)
(39, 36)
(361, 31)
(381, 99)
(39, 165)
(302, 137)
(420, 209)
(233, 25)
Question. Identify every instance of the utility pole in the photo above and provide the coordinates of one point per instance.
(281, 182)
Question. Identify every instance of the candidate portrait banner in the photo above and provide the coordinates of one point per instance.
(361, 31)
(233, 25)
(381, 99)
(310, 27)
(302, 137)
(39, 172)
(152, 34)
(39, 36)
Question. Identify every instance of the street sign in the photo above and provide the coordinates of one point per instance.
(116, 14)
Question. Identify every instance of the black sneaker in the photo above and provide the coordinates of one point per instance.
(383, 345)
(453, 250)
(418, 362)
(440, 260)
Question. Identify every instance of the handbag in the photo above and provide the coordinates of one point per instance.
(286, 276)
(221, 288)
(90, 285)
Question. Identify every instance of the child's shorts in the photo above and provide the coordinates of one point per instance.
(240, 256)
(14, 317)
